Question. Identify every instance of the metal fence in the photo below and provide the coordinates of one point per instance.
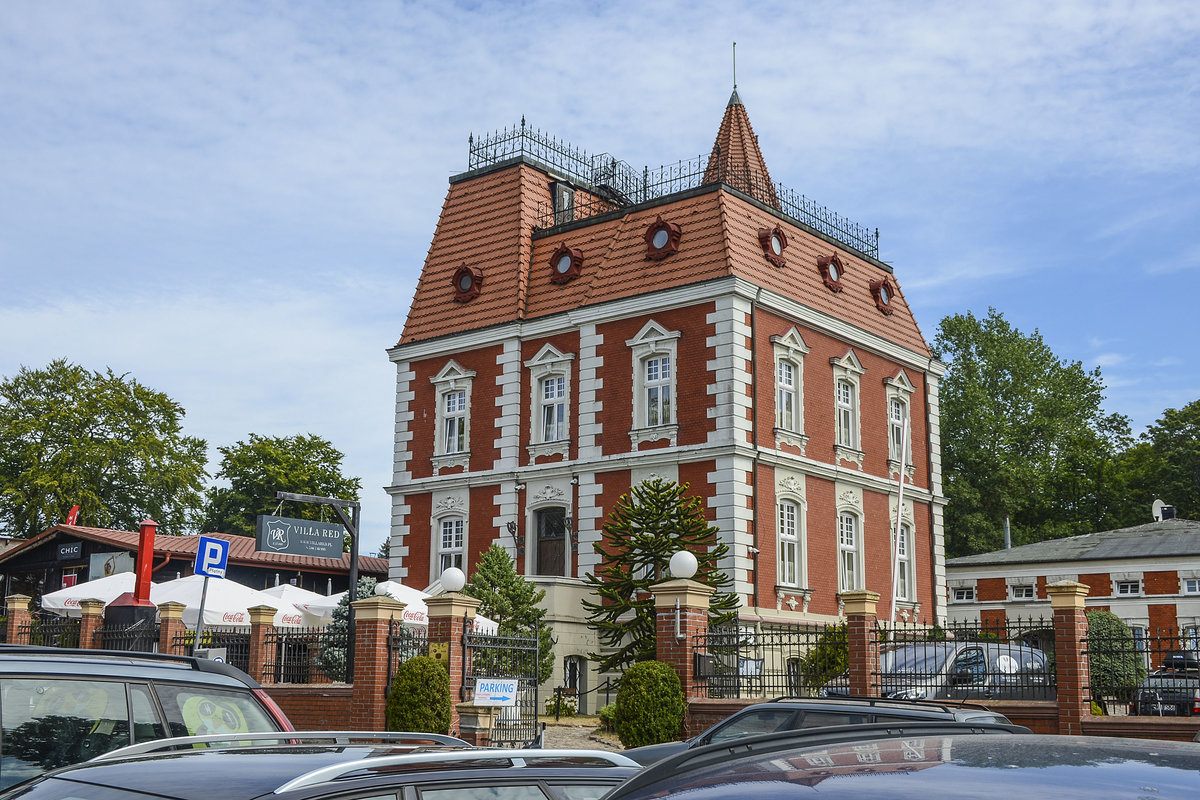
(612, 183)
(141, 636)
(757, 661)
(236, 643)
(293, 655)
(50, 630)
(511, 656)
(1131, 669)
(404, 643)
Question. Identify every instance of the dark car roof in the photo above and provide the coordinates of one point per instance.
(242, 773)
(30, 659)
(939, 764)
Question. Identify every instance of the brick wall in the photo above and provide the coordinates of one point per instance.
(314, 708)
(1165, 582)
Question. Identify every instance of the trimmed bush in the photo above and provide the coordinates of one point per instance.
(565, 705)
(420, 697)
(608, 717)
(650, 705)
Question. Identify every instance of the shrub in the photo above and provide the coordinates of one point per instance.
(420, 697)
(608, 717)
(650, 705)
(562, 705)
(1116, 663)
(828, 659)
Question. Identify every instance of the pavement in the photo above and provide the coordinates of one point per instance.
(580, 732)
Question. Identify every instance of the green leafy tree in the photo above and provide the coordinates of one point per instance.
(336, 636)
(512, 601)
(257, 469)
(102, 441)
(1023, 436)
(1168, 460)
(827, 660)
(649, 525)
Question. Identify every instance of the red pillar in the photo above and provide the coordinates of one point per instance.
(170, 626)
(681, 609)
(19, 617)
(368, 701)
(862, 641)
(448, 618)
(262, 622)
(1070, 657)
(90, 620)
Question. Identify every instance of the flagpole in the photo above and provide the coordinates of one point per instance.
(899, 515)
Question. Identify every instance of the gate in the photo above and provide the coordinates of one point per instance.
(506, 656)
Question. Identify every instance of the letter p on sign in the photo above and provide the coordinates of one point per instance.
(211, 557)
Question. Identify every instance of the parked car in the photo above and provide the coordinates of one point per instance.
(1171, 691)
(795, 713)
(308, 766)
(919, 761)
(60, 706)
(955, 670)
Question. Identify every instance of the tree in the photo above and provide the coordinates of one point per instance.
(1023, 436)
(335, 638)
(256, 470)
(102, 441)
(1173, 461)
(649, 525)
(512, 601)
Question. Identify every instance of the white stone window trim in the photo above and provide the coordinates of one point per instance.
(451, 378)
(899, 388)
(962, 594)
(450, 507)
(554, 493)
(653, 341)
(850, 502)
(1127, 588)
(909, 601)
(549, 362)
(790, 347)
(849, 369)
(1022, 591)
(791, 490)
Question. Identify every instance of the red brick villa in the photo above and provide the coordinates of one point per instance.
(581, 326)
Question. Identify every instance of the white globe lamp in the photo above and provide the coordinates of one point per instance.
(453, 579)
(683, 565)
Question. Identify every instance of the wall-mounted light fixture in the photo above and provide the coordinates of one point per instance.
(517, 537)
(573, 534)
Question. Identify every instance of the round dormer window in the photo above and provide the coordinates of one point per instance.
(833, 272)
(661, 238)
(563, 264)
(467, 283)
(776, 244)
(882, 290)
(883, 294)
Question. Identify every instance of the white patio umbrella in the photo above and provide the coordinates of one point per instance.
(415, 611)
(65, 602)
(290, 595)
(226, 603)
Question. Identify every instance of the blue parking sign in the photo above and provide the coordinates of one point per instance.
(211, 557)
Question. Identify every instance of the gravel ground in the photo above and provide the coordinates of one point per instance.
(579, 732)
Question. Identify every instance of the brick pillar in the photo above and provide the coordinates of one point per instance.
(170, 625)
(262, 622)
(862, 641)
(448, 615)
(90, 621)
(368, 702)
(678, 630)
(17, 606)
(1070, 657)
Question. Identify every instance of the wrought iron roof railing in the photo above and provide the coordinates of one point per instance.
(614, 184)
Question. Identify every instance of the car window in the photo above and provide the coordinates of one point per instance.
(825, 719)
(520, 791)
(970, 668)
(767, 720)
(201, 710)
(147, 726)
(577, 792)
(48, 723)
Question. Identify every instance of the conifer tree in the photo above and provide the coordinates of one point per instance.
(649, 525)
(336, 636)
(512, 601)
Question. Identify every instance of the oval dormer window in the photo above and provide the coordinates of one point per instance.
(467, 283)
(831, 270)
(776, 245)
(883, 291)
(662, 239)
(565, 264)
(774, 242)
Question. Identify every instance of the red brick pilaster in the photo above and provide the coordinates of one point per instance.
(448, 618)
(90, 621)
(862, 641)
(262, 622)
(17, 606)
(170, 625)
(368, 702)
(1070, 657)
(681, 609)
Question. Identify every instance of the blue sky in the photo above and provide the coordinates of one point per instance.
(232, 201)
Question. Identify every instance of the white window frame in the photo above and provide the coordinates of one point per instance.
(898, 389)
(455, 418)
(549, 364)
(849, 551)
(962, 594)
(450, 380)
(847, 371)
(1022, 591)
(1131, 588)
(1189, 585)
(454, 553)
(789, 526)
(790, 349)
(906, 589)
(654, 342)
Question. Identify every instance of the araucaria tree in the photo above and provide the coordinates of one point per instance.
(1023, 436)
(257, 469)
(512, 601)
(649, 525)
(102, 441)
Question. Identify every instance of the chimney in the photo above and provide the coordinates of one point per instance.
(1168, 512)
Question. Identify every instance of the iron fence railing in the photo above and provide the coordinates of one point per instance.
(1130, 669)
(758, 661)
(236, 643)
(611, 184)
(404, 643)
(50, 630)
(293, 655)
(141, 636)
(506, 656)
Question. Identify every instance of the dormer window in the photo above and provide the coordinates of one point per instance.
(565, 264)
(774, 242)
(468, 281)
(883, 292)
(662, 239)
(831, 270)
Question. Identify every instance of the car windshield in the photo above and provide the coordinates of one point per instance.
(923, 659)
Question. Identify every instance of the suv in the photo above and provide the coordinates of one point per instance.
(795, 713)
(60, 706)
(1171, 691)
(320, 765)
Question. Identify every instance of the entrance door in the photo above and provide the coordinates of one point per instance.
(551, 541)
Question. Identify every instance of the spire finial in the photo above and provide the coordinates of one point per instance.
(735, 65)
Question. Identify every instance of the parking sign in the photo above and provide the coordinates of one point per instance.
(211, 557)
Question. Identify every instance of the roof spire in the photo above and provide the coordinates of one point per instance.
(735, 159)
(734, 100)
